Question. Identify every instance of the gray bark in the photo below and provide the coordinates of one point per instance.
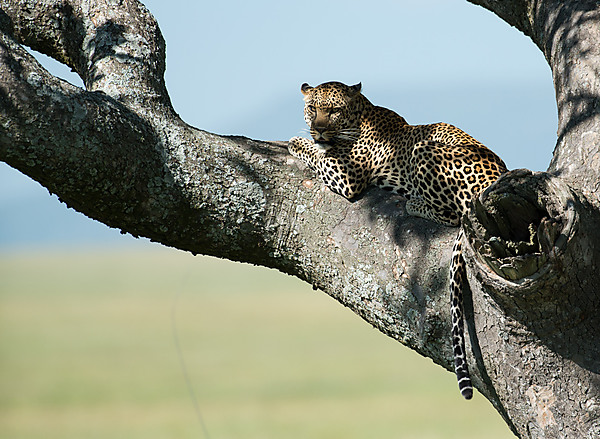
(119, 153)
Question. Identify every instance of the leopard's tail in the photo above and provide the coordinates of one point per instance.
(458, 278)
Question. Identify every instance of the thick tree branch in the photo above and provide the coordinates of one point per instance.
(567, 33)
(119, 153)
(135, 165)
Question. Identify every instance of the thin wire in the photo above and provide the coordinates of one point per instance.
(183, 365)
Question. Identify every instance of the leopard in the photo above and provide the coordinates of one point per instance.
(438, 168)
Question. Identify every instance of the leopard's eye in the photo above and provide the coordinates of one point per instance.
(311, 108)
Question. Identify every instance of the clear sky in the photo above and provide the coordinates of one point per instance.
(235, 67)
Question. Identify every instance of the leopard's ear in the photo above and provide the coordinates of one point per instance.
(305, 89)
(356, 88)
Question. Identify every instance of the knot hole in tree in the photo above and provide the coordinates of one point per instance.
(518, 232)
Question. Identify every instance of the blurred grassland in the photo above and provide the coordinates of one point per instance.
(87, 350)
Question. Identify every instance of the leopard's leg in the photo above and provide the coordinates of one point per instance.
(417, 206)
(339, 175)
(458, 279)
(438, 193)
(306, 150)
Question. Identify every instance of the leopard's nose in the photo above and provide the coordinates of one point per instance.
(319, 134)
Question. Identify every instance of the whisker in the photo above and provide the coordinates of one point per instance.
(350, 134)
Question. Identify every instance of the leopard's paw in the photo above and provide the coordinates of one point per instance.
(295, 145)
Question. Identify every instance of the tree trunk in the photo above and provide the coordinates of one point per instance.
(119, 153)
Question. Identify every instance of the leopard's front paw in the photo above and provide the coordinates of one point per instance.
(295, 145)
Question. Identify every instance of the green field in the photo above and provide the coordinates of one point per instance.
(88, 350)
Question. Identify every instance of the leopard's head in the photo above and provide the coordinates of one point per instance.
(332, 111)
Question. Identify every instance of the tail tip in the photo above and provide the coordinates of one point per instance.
(467, 392)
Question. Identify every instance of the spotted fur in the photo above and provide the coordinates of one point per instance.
(438, 167)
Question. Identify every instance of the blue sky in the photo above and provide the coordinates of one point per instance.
(235, 67)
